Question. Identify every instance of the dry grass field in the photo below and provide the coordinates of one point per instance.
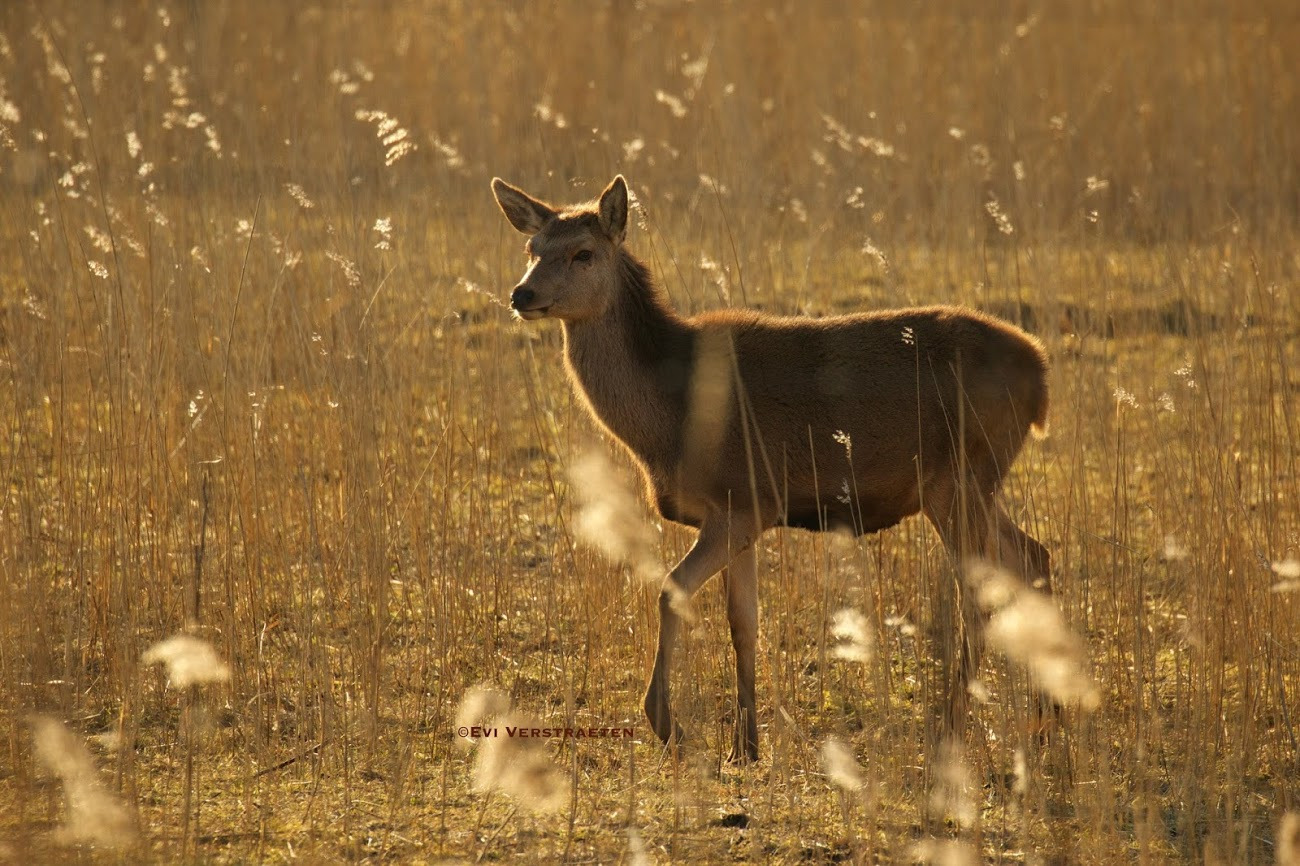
(259, 385)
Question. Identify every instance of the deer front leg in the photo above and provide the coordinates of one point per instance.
(721, 537)
(742, 613)
(965, 529)
(1022, 553)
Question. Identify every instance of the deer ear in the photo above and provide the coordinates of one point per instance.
(524, 212)
(613, 209)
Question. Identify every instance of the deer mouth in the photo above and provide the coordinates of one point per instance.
(533, 314)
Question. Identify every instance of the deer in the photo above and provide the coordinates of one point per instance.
(742, 421)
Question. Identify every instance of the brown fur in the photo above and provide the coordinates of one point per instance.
(743, 421)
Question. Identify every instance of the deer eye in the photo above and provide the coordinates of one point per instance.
(582, 256)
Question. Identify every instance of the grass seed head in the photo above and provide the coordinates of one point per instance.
(190, 661)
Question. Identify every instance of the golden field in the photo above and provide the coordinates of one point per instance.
(259, 384)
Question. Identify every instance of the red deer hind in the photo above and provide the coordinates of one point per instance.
(742, 421)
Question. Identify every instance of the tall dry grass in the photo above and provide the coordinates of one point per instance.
(259, 387)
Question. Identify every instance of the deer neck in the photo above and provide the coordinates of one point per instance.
(633, 365)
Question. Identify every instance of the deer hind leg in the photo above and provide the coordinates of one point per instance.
(963, 516)
(1022, 552)
(741, 579)
(721, 537)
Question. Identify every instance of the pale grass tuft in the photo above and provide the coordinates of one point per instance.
(854, 639)
(1288, 840)
(1289, 570)
(1173, 551)
(1020, 773)
(1029, 629)
(611, 517)
(479, 704)
(636, 850)
(515, 766)
(945, 852)
(841, 767)
(519, 767)
(95, 816)
(190, 661)
(951, 795)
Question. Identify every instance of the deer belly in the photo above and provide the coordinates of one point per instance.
(860, 515)
(672, 508)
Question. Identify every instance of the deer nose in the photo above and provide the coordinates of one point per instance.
(521, 298)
